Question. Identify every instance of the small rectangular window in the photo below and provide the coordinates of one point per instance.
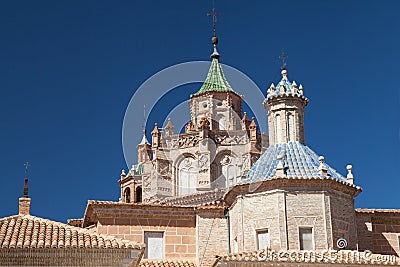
(306, 238)
(154, 245)
(263, 240)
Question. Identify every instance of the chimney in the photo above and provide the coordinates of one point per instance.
(25, 201)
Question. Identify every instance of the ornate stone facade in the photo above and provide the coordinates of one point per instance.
(218, 147)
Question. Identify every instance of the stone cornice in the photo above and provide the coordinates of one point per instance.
(291, 184)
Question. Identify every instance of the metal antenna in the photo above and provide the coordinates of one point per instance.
(283, 57)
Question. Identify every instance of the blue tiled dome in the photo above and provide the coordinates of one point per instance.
(299, 161)
(285, 87)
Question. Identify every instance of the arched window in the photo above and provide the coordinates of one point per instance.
(138, 195)
(290, 120)
(127, 195)
(187, 172)
(231, 175)
(227, 176)
(278, 129)
(221, 123)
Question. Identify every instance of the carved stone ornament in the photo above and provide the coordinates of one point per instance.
(226, 160)
(187, 162)
(203, 160)
(231, 139)
(182, 142)
(246, 161)
(164, 168)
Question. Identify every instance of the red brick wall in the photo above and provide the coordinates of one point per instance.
(385, 238)
(179, 232)
(379, 232)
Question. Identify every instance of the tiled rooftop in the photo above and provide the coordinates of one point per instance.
(145, 204)
(216, 80)
(211, 197)
(298, 160)
(26, 231)
(378, 211)
(285, 87)
(167, 263)
(285, 258)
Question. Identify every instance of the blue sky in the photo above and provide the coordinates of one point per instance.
(69, 68)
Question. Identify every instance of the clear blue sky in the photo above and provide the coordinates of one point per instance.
(69, 68)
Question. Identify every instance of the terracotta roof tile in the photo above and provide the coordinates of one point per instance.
(378, 211)
(167, 263)
(208, 204)
(75, 222)
(196, 199)
(26, 231)
(254, 256)
(145, 204)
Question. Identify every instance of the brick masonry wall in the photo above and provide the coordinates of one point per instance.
(179, 232)
(259, 212)
(330, 214)
(364, 231)
(379, 232)
(343, 220)
(307, 210)
(385, 238)
(212, 236)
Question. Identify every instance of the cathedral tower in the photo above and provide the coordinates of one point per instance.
(216, 99)
(285, 104)
(302, 201)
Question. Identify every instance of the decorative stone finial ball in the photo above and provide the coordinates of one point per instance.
(214, 40)
(284, 72)
(321, 159)
(349, 167)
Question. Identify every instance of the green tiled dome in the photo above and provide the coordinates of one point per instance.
(216, 80)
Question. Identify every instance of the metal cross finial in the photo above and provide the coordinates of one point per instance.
(283, 57)
(27, 165)
(144, 119)
(214, 18)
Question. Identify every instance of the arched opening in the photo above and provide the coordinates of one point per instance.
(187, 176)
(290, 127)
(138, 195)
(127, 195)
(221, 123)
(226, 171)
(278, 129)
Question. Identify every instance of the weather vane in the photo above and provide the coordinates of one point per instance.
(214, 18)
(27, 165)
(283, 57)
